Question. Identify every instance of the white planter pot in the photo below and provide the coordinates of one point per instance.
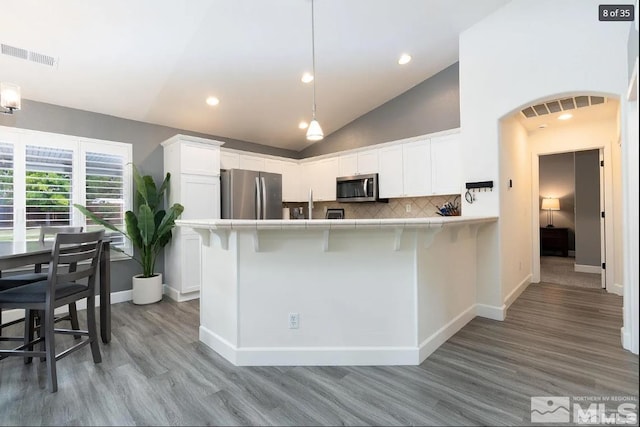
(147, 290)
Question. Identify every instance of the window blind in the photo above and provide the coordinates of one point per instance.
(48, 173)
(6, 192)
(105, 191)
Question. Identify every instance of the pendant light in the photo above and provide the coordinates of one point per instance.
(314, 132)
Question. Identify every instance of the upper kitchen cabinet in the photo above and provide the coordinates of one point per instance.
(368, 161)
(446, 173)
(321, 175)
(359, 163)
(291, 188)
(252, 163)
(416, 161)
(390, 174)
(405, 170)
(229, 160)
(192, 155)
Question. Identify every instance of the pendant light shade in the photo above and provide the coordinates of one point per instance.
(314, 132)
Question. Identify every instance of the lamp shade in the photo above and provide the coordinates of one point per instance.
(314, 132)
(551, 204)
(9, 96)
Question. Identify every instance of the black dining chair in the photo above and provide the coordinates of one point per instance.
(37, 275)
(61, 287)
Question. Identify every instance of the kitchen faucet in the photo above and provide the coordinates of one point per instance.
(310, 203)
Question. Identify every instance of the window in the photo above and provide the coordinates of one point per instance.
(42, 175)
(6, 192)
(104, 191)
(48, 181)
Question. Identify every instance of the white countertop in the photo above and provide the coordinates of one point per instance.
(326, 224)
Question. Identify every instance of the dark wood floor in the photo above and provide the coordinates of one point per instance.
(556, 341)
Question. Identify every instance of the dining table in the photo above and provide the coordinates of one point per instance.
(16, 254)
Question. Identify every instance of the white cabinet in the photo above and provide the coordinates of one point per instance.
(368, 161)
(322, 178)
(446, 173)
(272, 166)
(291, 188)
(348, 164)
(405, 170)
(229, 160)
(360, 163)
(416, 163)
(194, 164)
(390, 174)
(253, 163)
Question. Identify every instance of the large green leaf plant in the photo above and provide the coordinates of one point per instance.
(149, 228)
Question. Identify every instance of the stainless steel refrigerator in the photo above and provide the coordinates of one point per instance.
(250, 195)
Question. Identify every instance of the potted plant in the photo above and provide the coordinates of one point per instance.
(149, 229)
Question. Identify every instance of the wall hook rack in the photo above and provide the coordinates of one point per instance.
(476, 186)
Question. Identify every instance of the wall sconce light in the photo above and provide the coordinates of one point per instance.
(550, 204)
(9, 97)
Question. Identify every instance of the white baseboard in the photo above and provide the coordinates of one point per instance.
(116, 297)
(491, 311)
(177, 296)
(616, 288)
(432, 343)
(309, 356)
(221, 346)
(335, 356)
(582, 268)
(522, 286)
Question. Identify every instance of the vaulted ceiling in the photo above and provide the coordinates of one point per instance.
(157, 60)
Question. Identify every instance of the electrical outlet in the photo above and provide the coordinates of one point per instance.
(407, 207)
(294, 320)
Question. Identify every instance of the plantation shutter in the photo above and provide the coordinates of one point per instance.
(105, 192)
(48, 176)
(6, 192)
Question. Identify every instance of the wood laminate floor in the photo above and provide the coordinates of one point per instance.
(556, 341)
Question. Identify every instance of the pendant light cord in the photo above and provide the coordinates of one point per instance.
(313, 58)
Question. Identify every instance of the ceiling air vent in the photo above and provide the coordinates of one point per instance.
(38, 58)
(558, 105)
(14, 51)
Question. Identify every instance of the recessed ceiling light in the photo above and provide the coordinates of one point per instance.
(405, 58)
(303, 125)
(213, 101)
(307, 78)
(542, 126)
(565, 116)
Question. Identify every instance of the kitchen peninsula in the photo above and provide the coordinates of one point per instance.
(337, 292)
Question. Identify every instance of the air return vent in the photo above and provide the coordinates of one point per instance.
(558, 105)
(36, 57)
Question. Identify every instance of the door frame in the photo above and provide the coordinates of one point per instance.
(607, 183)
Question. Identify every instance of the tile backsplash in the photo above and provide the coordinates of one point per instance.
(419, 207)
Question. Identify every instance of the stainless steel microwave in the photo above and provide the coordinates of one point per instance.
(358, 188)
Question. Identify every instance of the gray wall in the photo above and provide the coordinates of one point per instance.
(557, 179)
(430, 106)
(587, 168)
(147, 152)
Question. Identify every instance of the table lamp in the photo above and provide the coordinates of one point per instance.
(550, 204)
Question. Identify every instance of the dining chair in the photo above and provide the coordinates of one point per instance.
(81, 250)
(37, 275)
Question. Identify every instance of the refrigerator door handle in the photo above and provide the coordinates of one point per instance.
(258, 200)
(264, 198)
